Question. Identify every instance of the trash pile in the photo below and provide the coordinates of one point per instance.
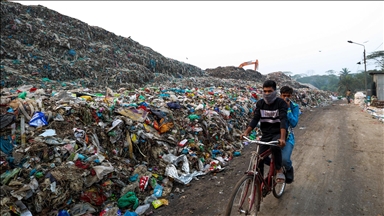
(39, 45)
(375, 112)
(367, 103)
(92, 150)
(231, 72)
(283, 80)
(87, 128)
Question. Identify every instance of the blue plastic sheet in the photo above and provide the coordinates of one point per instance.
(38, 119)
(6, 145)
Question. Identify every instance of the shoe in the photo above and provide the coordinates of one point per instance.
(264, 192)
(289, 176)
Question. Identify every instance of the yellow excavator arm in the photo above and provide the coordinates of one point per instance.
(256, 63)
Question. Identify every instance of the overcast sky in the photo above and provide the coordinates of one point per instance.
(301, 37)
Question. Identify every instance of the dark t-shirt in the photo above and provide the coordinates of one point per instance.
(272, 117)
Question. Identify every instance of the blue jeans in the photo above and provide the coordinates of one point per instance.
(286, 155)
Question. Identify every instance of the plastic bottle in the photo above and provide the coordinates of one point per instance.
(150, 199)
(141, 209)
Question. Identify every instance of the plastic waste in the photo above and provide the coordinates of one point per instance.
(150, 199)
(38, 119)
(158, 191)
(128, 200)
(129, 213)
(48, 132)
(141, 209)
(63, 213)
(159, 202)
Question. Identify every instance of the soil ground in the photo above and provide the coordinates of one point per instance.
(338, 160)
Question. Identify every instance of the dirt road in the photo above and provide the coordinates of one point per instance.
(339, 170)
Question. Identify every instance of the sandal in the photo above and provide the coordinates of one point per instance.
(280, 178)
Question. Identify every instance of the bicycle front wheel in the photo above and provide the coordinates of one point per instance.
(278, 188)
(246, 197)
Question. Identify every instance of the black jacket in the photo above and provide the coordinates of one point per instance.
(272, 117)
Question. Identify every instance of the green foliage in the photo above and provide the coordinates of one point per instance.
(323, 82)
(378, 56)
(338, 83)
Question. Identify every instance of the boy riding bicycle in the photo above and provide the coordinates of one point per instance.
(271, 111)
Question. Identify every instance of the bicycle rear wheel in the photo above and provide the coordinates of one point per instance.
(242, 201)
(278, 189)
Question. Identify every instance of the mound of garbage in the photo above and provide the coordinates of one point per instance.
(94, 123)
(231, 72)
(283, 80)
(39, 44)
(93, 150)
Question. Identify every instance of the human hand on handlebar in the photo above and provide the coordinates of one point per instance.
(281, 143)
(245, 134)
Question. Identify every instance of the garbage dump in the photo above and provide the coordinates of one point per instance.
(283, 80)
(39, 45)
(97, 149)
(89, 124)
(370, 105)
(231, 72)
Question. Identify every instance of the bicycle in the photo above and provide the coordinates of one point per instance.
(253, 187)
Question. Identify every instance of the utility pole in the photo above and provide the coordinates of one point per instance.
(365, 65)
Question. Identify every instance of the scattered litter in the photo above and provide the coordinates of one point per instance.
(111, 124)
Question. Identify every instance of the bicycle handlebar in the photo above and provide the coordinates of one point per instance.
(271, 143)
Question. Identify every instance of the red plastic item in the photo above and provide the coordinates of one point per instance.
(93, 196)
(143, 182)
(79, 164)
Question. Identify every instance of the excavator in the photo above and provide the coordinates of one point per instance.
(256, 63)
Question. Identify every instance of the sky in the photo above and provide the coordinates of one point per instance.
(303, 37)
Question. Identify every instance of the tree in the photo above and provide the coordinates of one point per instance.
(378, 56)
(330, 72)
(345, 80)
(323, 82)
(344, 72)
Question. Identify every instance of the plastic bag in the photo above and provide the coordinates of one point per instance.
(101, 171)
(157, 203)
(38, 119)
(158, 191)
(128, 199)
(174, 105)
(166, 127)
(93, 196)
(82, 208)
(129, 213)
(134, 178)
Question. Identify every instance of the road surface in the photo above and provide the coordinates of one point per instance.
(339, 170)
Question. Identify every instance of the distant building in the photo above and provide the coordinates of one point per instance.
(378, 85)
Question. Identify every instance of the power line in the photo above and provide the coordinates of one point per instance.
(362, 58)
(379, 46)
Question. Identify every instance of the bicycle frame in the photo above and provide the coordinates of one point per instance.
(253, 187)
(253, 168)
(267, 182)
